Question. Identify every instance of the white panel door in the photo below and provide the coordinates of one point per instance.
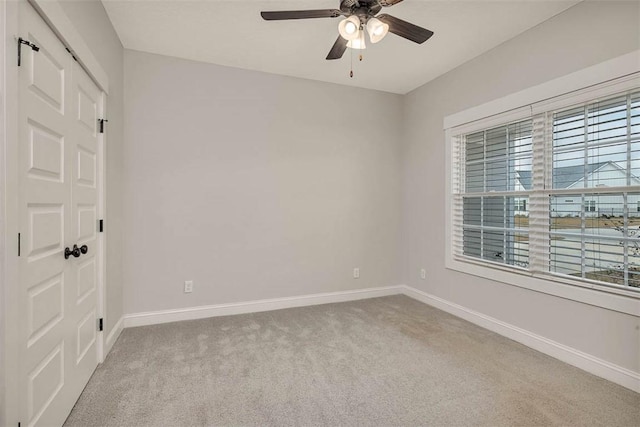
(86, 105)
(58, 181)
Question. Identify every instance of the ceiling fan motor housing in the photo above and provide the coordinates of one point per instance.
(363, 9)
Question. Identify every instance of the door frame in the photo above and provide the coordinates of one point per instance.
(57, 20)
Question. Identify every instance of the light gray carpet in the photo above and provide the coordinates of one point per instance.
(384, 361)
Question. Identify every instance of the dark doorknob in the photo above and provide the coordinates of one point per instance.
(75, 252)
(84, 249)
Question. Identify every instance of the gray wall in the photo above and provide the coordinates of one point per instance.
(91, 21)
(254, 185)
(584, 35)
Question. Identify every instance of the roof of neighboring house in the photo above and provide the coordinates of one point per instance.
(562, 177)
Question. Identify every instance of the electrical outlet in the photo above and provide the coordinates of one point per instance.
(188, 286)
(423, 274)
(356, 273)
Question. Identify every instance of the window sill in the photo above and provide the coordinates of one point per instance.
(601, 80)
(615, 299)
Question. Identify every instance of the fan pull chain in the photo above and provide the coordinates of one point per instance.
(361, 41)
(351, 56)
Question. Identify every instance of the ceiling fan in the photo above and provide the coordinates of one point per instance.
(359, 14)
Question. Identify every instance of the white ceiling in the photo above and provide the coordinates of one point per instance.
(232, 33)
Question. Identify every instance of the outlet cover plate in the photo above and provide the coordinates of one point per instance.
(188, 286)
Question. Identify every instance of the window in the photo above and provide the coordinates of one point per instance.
(556, 194)
(497, 160)
(589, 205)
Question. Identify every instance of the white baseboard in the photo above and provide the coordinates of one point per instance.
(113, 336)
(577, 358)
(201, 312)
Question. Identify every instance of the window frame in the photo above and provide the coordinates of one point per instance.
(590, 206)
(597, 82)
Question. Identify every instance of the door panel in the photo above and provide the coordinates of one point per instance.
(86, 106)
(45, 383)
(86, 336)
(86, 279)
(46, 153)
(86, 224)
(45, 302)
(45, 230)
(86, 168)
(44, 218)
(47, 73)
(58, 197)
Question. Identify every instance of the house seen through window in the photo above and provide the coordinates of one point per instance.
(576, 172)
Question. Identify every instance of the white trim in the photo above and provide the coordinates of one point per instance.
(491, 117)
(605, 71)
(9, 414)
(101, 240)
(593, 294)
(202, 312)
(606, 79)
(577, 358)
(448, 208)
(113, 336)
(3, 319)
(57, 19)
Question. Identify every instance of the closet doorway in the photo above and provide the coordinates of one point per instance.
(60, 149)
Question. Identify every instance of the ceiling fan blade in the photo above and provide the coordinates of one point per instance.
(406, 29)
(338, 48)
(388, 3)
(300, 14)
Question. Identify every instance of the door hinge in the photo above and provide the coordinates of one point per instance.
(100, 324)
(22, 41)
(101, 225)
(71, 53)
(19, 244)
(102, 122)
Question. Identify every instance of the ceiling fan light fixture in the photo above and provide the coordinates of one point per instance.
(358, 43)
(349, 28)
(377, 29)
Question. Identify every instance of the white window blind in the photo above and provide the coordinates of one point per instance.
(595, 170)
(494, 221)
(556, 194)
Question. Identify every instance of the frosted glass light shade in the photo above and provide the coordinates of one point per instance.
(349, 28)
(357, 43)
(377, 29)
